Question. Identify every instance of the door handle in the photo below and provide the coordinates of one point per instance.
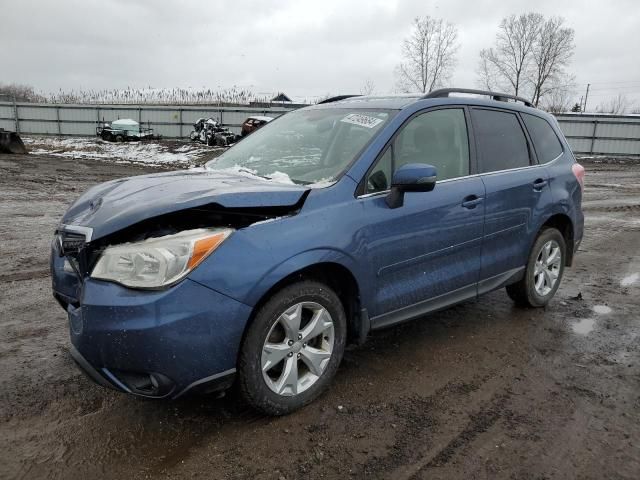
(539, 184)
(471, 201)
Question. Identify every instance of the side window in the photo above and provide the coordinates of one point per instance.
(438, 138)
(545, 140)
(379, 178)
(501, 141)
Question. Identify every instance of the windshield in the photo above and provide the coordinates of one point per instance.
(304, 146)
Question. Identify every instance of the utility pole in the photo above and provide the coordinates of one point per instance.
(586, 96)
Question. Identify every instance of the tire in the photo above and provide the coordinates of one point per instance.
(538, 287)
(119, 138)
(275, 392)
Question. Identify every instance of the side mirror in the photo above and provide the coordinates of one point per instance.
(413, 177)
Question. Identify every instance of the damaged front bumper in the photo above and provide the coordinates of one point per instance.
(157, 344)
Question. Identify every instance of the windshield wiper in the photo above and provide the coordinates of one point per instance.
(251, 172)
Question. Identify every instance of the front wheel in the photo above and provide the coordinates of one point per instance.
(544, 271)
(293, 348)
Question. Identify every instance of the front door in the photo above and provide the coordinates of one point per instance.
(429, 248)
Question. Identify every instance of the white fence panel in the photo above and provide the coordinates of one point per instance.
(8, 124)
(586, 133)
(602, 134)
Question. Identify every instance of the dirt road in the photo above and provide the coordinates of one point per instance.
(483, 390)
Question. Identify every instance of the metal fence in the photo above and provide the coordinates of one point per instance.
(586, 133)
(168, 121)
(602, 134)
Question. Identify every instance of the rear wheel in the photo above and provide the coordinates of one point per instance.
(544, 271)
(119, 138)
(293, 348)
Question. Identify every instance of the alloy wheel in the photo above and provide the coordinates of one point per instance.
(547, 268)
(298, 348)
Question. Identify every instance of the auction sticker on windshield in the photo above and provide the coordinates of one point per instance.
(362, 120)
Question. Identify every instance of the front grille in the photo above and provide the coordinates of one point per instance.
(72, 243)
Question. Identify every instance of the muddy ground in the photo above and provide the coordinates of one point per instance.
(482, 390)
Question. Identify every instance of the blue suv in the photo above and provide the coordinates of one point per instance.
(331, 221)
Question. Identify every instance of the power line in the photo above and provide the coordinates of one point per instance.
(607, 83)
(637, 92)
(633, 87)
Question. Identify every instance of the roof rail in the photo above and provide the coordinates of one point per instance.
(337, 98)
(500, 97)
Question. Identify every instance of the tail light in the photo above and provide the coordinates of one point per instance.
(578, 171)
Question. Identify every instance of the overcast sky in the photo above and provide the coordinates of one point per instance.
(304, 48)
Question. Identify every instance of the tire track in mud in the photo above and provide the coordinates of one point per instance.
(479, 422)
(612, 208)
(21, 276)
(421, 419)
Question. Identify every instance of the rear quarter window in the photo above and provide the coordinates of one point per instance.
(545, 140)
(500, 139)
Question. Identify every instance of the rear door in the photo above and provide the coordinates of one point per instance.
(517, 188)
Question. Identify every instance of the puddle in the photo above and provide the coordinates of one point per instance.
(584, 326)
(601, 309)
(630, 279)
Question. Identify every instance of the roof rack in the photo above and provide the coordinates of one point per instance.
(500, 97)
(337, 98)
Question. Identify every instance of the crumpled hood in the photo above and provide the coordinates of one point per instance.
(114, 205)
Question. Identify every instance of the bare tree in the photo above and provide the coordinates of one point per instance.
(429, 55)
(368, 87)
(615, 106)
(487, 73)
(551, 53)
(507, 63)
(559, 99)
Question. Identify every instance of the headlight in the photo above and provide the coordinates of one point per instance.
(157, 262)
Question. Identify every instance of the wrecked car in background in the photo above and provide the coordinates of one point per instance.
(124, 130)
(10, 142)
(251, 124)
(210, 132)
(328, 222)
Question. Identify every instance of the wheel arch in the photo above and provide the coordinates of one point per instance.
(335, 272)
(563, 223)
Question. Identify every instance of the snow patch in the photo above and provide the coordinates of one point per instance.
(324, 183)
(601, 309)
(280, 177)
(150, 153)
(248, 172)
(630, 279)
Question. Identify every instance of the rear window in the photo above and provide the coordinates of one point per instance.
(501, 141)
(545, 140)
